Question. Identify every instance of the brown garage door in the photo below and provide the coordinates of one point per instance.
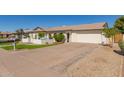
(118, 37)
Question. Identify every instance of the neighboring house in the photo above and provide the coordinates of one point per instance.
(84, 33)
(5, 34)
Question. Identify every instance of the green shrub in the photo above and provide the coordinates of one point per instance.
(59, 37)
(41, 34)
(121, 45)
(50, 36)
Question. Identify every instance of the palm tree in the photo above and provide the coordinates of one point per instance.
(119, 25)
(20, 33)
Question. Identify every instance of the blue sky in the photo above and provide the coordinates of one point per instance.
(13, 22)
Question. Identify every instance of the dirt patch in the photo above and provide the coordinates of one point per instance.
(102, 62)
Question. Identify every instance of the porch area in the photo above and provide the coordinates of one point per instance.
(47, 38)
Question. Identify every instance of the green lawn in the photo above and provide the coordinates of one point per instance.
(6, 43)
(25, 46)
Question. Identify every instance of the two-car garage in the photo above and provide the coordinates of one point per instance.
(92, 36)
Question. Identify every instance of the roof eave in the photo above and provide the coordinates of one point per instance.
(75, 30)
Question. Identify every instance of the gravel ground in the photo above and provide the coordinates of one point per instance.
(72, 59)
(101, 62)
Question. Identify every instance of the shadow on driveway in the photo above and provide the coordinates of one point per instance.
(119, 52)
(122, 54)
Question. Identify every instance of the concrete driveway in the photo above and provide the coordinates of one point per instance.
(72, 59)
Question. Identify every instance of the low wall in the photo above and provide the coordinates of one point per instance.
(25, 40)
(38, 41)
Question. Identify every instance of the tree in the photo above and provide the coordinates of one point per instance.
(59, 37)
(20, 33)
(119, 24)
(121, 45)
(50, 36)
(109, 33)
(41, 34)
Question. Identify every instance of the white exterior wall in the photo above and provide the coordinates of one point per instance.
(65, 37)
(104, 39)
(52, 34)
(35, 40)
(25, 40)
(88, 37)
(74, 37)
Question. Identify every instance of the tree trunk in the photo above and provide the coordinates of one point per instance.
(123, 36)
(110, 42)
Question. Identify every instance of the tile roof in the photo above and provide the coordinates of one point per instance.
(79, 27)
(4, 33)
(34, 30)
(66, 28)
